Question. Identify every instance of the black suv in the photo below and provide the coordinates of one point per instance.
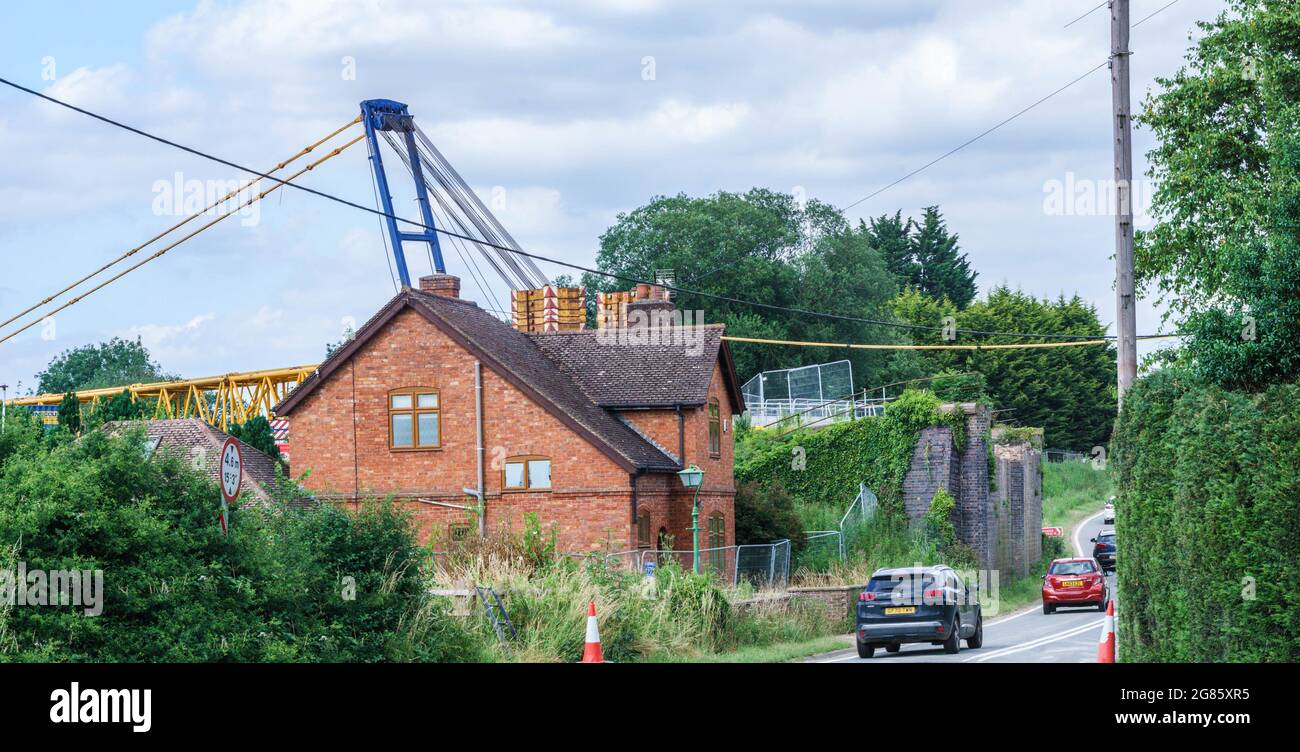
(1103, 549)
(917, 604)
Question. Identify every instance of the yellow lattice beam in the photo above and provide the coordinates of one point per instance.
(218, 400)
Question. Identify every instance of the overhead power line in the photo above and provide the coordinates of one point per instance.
(967, 143)
(158, 254)
(306, 150)
(856, 346)
(1095, 8)
(538, 257)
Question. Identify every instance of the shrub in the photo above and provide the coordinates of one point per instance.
(938, 518)
(765, 514)
(288, 584)
(1208, 508)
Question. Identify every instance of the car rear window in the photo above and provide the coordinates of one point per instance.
(904, 584)
(1108, 538)
(1072, 567)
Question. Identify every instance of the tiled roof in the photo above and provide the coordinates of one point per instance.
(616, 373)
(518, 359)
(188, 438)
(519, 355)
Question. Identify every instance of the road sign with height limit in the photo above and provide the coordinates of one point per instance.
(231, 478)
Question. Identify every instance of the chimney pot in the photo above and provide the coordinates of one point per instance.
(446, 285)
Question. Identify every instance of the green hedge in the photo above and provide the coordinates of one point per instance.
(825, 465)
(1208, 505)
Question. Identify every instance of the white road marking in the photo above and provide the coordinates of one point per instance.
(1038, 642)
(1078, 546)
(1027, 610)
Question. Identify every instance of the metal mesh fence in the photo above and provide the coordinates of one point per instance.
(764, 566)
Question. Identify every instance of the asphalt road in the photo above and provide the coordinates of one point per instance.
(1067, 636)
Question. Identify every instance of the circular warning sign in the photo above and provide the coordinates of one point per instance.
(231, 475)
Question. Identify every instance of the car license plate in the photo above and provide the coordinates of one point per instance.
(900, 610)
(1072, 583)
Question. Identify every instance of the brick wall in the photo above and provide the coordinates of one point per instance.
(973, 502)
(935, 465)
(1019, 493)
(839, 601)
(340, 433)
(964, 472)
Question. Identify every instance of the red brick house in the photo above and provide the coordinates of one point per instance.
(585, 431)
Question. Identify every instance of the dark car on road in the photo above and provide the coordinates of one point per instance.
(917, 604)
(1103, 549)
(1074, 582)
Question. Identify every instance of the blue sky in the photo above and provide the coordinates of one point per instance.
(550, 107)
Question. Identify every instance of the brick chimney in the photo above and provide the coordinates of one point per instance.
(446, 285)
(652, 312)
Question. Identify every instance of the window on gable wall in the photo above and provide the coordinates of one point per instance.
(715, 428)
(643, 529)
(527, 473)
(414, 418)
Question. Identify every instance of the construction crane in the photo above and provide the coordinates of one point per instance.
(458, 205)
(441, 195)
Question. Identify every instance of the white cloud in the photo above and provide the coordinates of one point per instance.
(546, 99)
(91, 88)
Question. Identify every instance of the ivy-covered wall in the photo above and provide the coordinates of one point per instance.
(825, 466)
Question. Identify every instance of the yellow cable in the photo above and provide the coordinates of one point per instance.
(1018, 346)
(179, 224)
(159, 253)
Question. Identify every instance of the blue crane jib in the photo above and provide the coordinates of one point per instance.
(385, 115)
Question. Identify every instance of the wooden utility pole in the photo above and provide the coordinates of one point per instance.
(1125, 315)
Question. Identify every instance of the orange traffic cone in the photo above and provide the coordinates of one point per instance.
(1106, 648)
(591, 653)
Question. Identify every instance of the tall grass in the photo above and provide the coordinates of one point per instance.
(674, 614)
(1073, 490)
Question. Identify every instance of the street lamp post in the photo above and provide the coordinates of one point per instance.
(692, 477)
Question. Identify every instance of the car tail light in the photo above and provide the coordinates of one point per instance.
(865, 596)
(934, 593)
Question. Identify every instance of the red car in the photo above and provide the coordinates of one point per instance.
(1074, 582)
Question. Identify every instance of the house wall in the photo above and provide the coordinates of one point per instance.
(663, 496)
(340, 434)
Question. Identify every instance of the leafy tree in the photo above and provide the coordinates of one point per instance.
(118, 407)
(765, 514)
(942, 270)
(257, 433)
(761, 246)
(892, 237)
(117, 362)
(924, 255)
(70, 413)
(1225, 250)
(1067, 391)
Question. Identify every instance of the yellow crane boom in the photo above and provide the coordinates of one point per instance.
(219, 400)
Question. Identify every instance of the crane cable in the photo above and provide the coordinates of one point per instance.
(159, 253)
(178, 225)
(856, 346)
(517, 251)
